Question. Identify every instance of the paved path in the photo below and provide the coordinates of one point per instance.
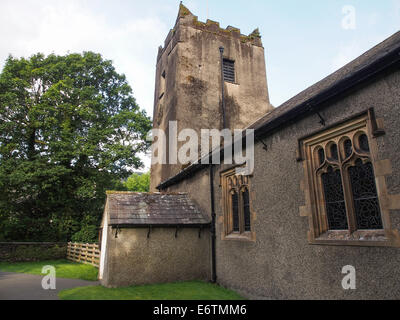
(21, 286)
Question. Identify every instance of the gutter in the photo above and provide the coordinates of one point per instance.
(153, 225)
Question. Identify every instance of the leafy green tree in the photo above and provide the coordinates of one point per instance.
(89, 231)
(138, 182)
(69, 130)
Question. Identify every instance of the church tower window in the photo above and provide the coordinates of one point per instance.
(229, 70)
(162, 85)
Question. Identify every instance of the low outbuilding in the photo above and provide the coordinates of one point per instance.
(153, 238)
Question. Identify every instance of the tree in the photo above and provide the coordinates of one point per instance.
(138, 182)
(69, 130)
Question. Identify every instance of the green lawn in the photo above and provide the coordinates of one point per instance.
(191, 290)
(64, 269)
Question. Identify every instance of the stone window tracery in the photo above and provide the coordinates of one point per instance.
(344, 204)
(237, 219)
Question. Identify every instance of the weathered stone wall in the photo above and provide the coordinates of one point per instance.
(191, 90)
(32, 251)
(134, 259)
(281, 264)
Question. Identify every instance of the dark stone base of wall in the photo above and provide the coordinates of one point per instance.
(32, 251)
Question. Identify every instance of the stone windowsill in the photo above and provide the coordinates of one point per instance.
(358, 236)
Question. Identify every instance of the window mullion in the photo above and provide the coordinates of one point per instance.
(348, 199)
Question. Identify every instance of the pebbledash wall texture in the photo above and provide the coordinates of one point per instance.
(135, 259)
(283, 260)
(188, 77)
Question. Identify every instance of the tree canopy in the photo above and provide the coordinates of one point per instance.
(138, 182)
(70, 129)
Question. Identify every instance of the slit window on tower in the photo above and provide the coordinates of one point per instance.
(228, 67)
(162, 85)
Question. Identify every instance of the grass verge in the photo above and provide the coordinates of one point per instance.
(189, 290)
(64, 269)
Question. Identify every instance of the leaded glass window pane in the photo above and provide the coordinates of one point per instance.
(321, 155)
(246, 210)
(334, 200)
(348, 148)
(363, 141)
(334, 152)
(235, 212)
(365, 197)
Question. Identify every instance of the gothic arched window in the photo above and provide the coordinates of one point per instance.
(237, 208)
(343, 200)
(348, 169)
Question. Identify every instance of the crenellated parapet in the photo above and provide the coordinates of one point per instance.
(187, 18)
(253, 38)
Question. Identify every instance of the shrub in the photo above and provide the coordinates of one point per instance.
(87, 234)
(35, 253)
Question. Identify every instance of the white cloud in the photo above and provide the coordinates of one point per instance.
(28, 27)
(72, 26)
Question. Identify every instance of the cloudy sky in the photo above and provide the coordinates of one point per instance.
(304, 40)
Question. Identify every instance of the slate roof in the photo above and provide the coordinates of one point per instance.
(153, 209)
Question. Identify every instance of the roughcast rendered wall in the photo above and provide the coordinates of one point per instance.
(134, 259)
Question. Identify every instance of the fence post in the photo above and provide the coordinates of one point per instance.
(88, 253)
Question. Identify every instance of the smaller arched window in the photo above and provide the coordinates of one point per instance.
(334, 152)
(237, 206)
(321, 156)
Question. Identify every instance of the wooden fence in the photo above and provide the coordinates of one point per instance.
(88, 253)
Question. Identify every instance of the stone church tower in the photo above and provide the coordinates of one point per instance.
(188, 81)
